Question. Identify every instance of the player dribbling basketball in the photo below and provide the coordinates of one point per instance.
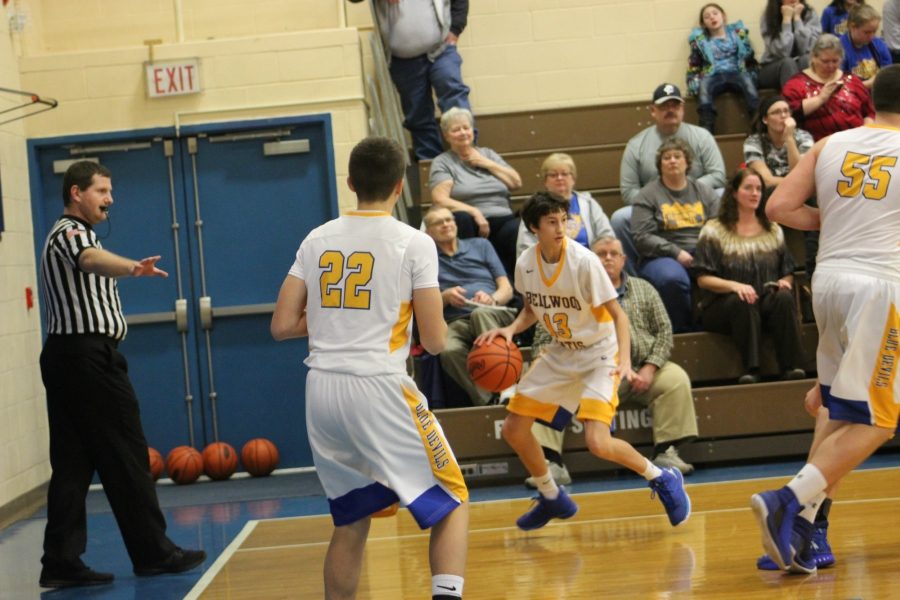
(564, 285)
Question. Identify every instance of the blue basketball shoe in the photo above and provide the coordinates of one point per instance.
(821, 550)
(543, 510)
(776, 512)
(670, 488)
(804, 561)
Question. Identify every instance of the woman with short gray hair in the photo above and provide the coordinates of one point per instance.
(474, 183)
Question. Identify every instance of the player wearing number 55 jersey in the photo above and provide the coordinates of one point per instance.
(856, 292)
(565, 286)
(355, 285)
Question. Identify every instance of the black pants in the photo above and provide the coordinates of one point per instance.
(774, 313)
(503, 235)
(95, 425)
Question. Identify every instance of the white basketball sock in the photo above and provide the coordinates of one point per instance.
(808, 483)
(652, 471)
(547, 487)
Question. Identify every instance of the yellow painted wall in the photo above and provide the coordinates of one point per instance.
(23, 417)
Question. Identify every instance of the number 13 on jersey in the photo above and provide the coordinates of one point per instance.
(866, 175)
(343, 281)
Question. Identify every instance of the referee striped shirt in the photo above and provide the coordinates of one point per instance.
(77, 302)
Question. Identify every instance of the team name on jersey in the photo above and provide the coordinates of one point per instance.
(435, 443)
(552, 301)
(884, 375)
(570, 345)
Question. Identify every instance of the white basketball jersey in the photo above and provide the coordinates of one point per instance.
(567, 297)
(360, 271)
(858, 190)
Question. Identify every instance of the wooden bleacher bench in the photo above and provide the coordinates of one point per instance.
(735, 422)
(595, 136)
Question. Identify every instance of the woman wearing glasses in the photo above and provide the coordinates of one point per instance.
(776, 144)
(587, 221)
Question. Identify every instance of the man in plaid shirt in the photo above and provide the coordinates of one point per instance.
(661, 385)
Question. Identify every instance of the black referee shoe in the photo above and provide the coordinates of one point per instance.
(178, 562)
(60, 578)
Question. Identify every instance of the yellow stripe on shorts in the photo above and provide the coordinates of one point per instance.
(523, 405)
(597, 410)
(443, 464)
(884, 408)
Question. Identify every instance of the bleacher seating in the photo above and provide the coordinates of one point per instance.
(736, 422)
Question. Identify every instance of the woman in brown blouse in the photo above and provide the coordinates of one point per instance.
(745, 271)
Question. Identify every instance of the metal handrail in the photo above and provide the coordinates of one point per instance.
(386, 117)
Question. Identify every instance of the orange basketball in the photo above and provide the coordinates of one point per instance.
(156, 463)
(495, 366)
(220, 461)
(390, 511)
(259, 456)
(184, 465)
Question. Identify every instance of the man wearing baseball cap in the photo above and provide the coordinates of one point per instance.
(639, 161)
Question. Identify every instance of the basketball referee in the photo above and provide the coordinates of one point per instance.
(92, 409)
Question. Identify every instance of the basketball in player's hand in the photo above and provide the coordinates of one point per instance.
(495, 366)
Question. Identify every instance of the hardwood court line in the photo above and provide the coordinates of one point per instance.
(234, 547)
(699, 484)
(221, 561)
(558, 523)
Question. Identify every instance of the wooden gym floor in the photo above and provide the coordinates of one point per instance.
(619, 545)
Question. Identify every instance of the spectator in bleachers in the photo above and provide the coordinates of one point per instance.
(474, 183)
(639, 164)
(475, 291)
(668, 214)
(421, 39)
(834, 17)
(789, 29)
(776, 144)
(746, 273)
(721, 59)
(825, 99)
(658, 383)
(891, 28)
(773, 149)
(864, 52)
(587, 221)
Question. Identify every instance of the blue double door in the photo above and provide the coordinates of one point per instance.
(226, 206)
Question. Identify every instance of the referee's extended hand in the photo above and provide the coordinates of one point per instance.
(146, 267)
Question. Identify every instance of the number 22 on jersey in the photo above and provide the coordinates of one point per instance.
(343, 281)
(866, 174)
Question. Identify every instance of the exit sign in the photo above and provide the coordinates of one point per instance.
(174, 78)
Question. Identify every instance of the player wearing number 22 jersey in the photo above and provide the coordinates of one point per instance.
(354, 288)
(360, 271)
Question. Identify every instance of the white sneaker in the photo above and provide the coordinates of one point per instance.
(559, 472)
(670, 458)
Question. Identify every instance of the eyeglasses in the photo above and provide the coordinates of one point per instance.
(779, 111)
(609, 253)
(557, 174)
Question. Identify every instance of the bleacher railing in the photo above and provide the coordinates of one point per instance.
(385, 115)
